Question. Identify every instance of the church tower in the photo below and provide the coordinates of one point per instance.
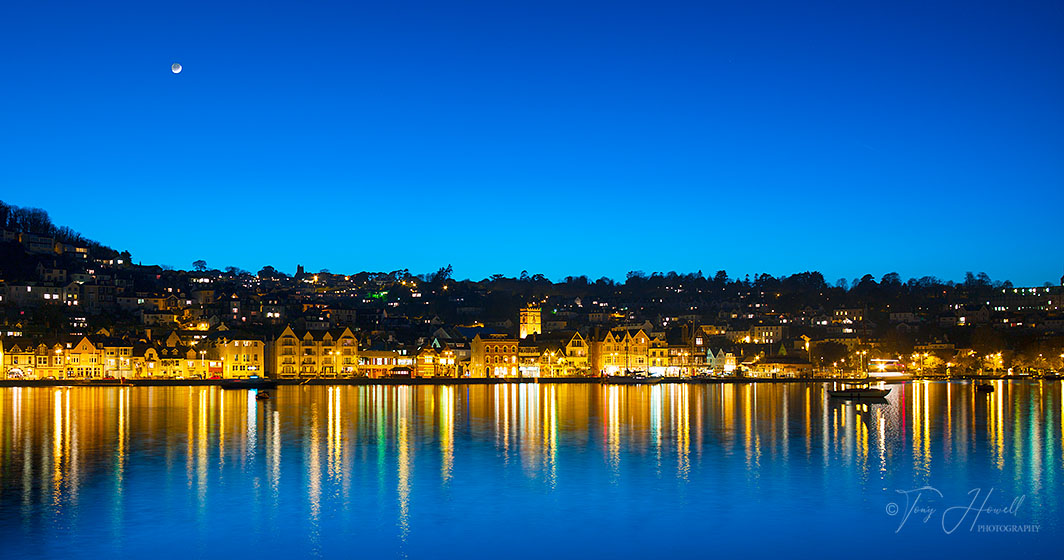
(530, 320)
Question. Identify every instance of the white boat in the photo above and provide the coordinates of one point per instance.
(631, 378)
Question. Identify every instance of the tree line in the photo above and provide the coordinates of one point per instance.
(36, 221)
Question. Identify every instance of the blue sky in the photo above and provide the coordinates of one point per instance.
(555, 137)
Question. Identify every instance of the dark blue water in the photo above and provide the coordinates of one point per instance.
(531, 471)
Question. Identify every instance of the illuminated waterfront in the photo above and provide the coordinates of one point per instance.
(521, 470)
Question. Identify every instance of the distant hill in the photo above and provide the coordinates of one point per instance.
(36, 221)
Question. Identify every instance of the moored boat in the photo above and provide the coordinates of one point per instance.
(638, 378)
(253, 382)
(984, 388)
(858, 392)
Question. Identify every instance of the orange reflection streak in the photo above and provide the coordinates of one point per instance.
(331, 458)
(57, 448)
(747, 427)
(275, 454)
(189, 439)
(222, 426)
(123, 435)
(1037, 443)
(926, 442)
(201, 449)
(446, 430)
(1016, 433)
(917, 397)
(551, 436)
(949, 417)
(313, 452)
(881, 439)
(613, 430)
(683, 434)
(727, 413)
(403, 442)
(529, 414)
(656, 413)
(847, 421)
(338, 432)
(863, 426)
(251, 426)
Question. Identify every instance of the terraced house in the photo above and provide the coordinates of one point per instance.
(628, 350)
(328, 353)
(85, 357)
(241, 355)
(556, 354)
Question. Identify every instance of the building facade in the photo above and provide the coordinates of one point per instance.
(494, 355)
(328, 353)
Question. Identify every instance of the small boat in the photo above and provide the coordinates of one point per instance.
(631, 378)
(984, 388)
(262, 396)
(858, 392)
(253, 382)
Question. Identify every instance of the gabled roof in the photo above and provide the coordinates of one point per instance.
(318, 334)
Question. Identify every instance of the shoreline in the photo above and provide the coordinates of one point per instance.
(469, 381)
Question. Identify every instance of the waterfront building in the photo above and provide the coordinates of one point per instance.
(33, 359)
(493, 355)
(627, 350)
(780, 367)
(178, 360)
(721, 362)
(241, 355)
(377, 363)
(117, 356)
(145, 360)
(431, 361)
(529, 352)
(328, 353)
(83, 359)
(574, 358)
(557, 354)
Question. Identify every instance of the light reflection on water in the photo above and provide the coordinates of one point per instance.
(570, 469)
